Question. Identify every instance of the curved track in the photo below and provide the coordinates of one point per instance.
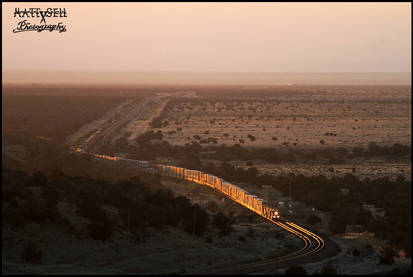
(312, 243)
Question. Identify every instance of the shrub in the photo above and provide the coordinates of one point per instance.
(251, 137)
(31, 253)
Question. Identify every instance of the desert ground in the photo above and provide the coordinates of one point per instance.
(302, 119)
(349, 118)
(314, 119)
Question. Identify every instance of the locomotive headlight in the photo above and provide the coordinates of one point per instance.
(276, 212)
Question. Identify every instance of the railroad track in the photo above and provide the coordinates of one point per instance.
(98, 140)
(312, 243)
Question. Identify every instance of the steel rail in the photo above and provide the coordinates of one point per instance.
(305, 235)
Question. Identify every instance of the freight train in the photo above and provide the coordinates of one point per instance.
(232, 191)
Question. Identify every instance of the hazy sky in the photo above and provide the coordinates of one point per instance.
(233, 37)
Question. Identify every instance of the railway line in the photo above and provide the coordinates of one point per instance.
(100, 137)
(312, 244)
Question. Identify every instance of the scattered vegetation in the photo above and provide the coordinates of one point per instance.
(94, 197)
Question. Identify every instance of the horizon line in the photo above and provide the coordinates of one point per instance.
(205, 71)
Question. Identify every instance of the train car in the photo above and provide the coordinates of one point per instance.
(228, 188)
(219, 183)
(211, 180)
(202, 178)
(250, 201)
(259, 206)
(142, 164)
(107, 157)
(225, 187)
(240, 194)
(247, 200)
(176, 171)
(270, 212)
(197, 176)
(233, 191)
(254, 202)
(150, 170)
(166, 170)
(162, 169)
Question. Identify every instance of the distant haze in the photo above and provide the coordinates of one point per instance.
(205, 78)
(214, 37)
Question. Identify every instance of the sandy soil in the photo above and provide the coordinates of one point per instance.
(354, 117)
(141, 124)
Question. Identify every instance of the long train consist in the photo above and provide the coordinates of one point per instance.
(232, 191)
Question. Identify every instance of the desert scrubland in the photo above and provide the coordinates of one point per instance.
(339, 147)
